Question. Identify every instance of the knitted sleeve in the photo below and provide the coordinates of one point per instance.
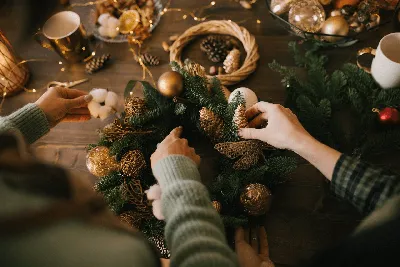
(194, 231)
(30, 120)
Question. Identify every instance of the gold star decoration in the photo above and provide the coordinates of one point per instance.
(249, 151)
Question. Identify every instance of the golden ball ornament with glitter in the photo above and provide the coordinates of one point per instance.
(170, 84)
(280, 7)
(307, 15)
(256, 199)
(335, 26)
(132, 163)
(211, 124)
(99, 161)
(217, 206)
(342, 3)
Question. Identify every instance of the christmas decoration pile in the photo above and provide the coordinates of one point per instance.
(321, 102)
(185, 97)
(331, 20)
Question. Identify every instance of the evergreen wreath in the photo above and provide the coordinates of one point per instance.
(325, 102)
(204, 112)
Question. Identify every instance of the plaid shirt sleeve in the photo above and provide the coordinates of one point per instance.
(366, 187)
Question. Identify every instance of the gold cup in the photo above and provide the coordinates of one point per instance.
(64, 34)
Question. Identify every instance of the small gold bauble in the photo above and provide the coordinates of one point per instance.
(307, 15)
(170, 84)
(217, 206)
(280, 7)
(99, 161)
(256, 199)
(132, 163)
(335, 26)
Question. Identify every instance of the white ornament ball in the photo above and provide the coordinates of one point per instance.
(99, 95)
(103, 19)
(249, 96)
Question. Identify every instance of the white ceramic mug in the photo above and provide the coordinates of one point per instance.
(386, 65)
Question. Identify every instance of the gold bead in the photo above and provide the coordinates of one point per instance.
(170, 84)
(217, 206)
(99, 161)
(335, 26)
(256, 199)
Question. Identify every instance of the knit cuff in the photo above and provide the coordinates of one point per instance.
(31, 121)
(174, 168)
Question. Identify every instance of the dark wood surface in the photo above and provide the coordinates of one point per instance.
(304, 218)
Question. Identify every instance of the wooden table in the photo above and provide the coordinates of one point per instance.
(303, 218)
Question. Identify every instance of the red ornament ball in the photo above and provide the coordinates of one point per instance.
(388, 115)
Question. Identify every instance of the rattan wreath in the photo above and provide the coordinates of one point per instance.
(221, 27)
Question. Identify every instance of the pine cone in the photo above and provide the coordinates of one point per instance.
(194, 68)
(216, 47)
(149, 59)
(232, 61)
(211, 123)
(132, 163)
(239, 118)
(97, 63)
(134, 106)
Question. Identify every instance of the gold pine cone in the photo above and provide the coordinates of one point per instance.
(134, 106)
(232, 61)
(132, 163)
(256, 199)
(211, 123)
(239, 118)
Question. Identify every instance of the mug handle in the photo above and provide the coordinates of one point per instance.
(42, 40)
(366, 50)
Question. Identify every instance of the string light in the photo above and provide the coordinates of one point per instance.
(258, 21)
(59, 62)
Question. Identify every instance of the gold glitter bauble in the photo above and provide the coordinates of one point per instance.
(99, 161)
(211, 124)
(335, 26)
(256, 199)
(307, 15)
(217, 206)
(132, 163)
(280, 7)
(170, 84)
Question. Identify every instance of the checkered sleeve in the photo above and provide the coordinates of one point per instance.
(363, 185)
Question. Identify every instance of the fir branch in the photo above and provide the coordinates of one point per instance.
(109, 181)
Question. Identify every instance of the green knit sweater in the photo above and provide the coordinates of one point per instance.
(194, 230)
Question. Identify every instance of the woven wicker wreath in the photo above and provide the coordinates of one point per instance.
(221, 27)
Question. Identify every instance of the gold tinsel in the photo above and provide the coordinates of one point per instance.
(99, 161)
(134, 106)
(132, 163)
(217, 206)
(232, 61)
(194, 68)
(239, 118)
(249, 152)
(211, 123)
(256, 199)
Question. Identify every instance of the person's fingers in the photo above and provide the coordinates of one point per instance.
(258, 121)
(239, 235)
(78, 102)
(173, 135)
(264, 248)
(73, 93)
(76, 118)
(251, 133)
(254, 239)
(247, 235)
(260, 107)
(197, 160)
(79, 111)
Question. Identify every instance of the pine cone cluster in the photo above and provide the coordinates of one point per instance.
(211, 123)
(148, 59)
(97, 63)
(216, 47)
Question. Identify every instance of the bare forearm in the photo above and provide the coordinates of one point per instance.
(321, 156)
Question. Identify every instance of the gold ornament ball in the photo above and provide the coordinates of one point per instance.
(307, 15)
(99, 161)
(335, 26)
(132, 163)
(217, 206)
(256, 199)
(170, 84)
(280, 7)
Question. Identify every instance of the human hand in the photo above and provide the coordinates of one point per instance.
(60, 103)
(174, 145)
(254, 253)
(283, 130)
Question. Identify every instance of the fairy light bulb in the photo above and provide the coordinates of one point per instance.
(213, 3)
